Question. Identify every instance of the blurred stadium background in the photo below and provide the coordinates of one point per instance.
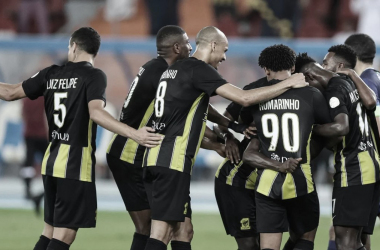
(35, 33)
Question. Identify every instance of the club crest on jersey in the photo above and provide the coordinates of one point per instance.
(334, 102)
(245, 224)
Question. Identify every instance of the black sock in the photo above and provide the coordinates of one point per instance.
(42, 243)
(332, 245)
(361, 248)
(289, 245)
(180, 245)
(139, 241)
(302, 244)
(153, 244)
(57, 245)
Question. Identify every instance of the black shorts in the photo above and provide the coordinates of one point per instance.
(300, 215)
(33, 146)
(128, 178)
(168, 193)
(69, 203)
(356, 206)
(237, 208)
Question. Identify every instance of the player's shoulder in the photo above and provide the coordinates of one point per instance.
(340, 82)
(154, 64)
(262, 82)
(192, 63)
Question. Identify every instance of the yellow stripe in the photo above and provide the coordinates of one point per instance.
(267, 179)
(377, 111)
(231, 176)
(60, 164)
(130, 147)
(306, 169)
(343, 166)
(367, 168)
(220, 167)
(153, 155)
(289, 187)
(86, 167)
(251, 181)
(373, 135)
(111, 142)
(44, 161)
(180, 146)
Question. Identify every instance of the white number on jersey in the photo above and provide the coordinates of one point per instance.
(160, 102)
(58, 106)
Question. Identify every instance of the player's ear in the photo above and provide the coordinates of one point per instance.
(340, 66)
(293, 69)
(213, 46)
(267, 72)
(176, 48)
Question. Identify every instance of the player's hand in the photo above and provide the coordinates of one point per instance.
(346, 71)
(237, 127)
(250, 130)
(145, 136)
(221, 150)
(298, 80)
(232, 149)
(290, 165)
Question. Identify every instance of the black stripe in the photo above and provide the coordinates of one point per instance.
(74, 163)
(54, 148)
(166, 151)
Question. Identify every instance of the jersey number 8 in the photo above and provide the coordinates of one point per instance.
(274, 133)
(160, 102)
(58, 106)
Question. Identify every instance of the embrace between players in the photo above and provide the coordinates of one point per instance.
(264, 188)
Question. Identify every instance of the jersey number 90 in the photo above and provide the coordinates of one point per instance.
(286, 132)
(160, 102)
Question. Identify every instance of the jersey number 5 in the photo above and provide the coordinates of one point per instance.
(58, 106)
(275, 131)
(160, 102)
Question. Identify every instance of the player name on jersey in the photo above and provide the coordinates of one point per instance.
(354, 96)
(277, 104)
(169, 74)
(62, 83)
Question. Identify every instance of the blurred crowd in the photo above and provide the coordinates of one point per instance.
(244, 18)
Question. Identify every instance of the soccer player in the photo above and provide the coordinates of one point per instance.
(286, 198)
(356, 181)
(74, 105)
(125, 156)
(180, 114)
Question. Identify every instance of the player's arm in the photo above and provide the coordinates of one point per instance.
(11, 92)
(254, 96)
(367, 96)
(210, 142)
(144, 136)
(231, 143)
(216, 117)
(339, 127)
(254, 158)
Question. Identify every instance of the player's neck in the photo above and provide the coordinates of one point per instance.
(361, 66)
(84, 58)
(201, 55)
(280, 75)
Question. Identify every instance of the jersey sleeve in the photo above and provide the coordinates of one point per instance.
(35, 86)
(336, 100)
(96, 86)
(321, 111)
(207, 79)
(234, 110)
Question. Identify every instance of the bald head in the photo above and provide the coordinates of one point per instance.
(209, 35)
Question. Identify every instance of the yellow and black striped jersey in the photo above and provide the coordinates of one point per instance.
(181, 104)
(137, 110)
(237, 175)
(284, 127)
(356, 157)
(67, 90)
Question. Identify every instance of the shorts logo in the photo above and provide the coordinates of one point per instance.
(186, 205)
(245, 225)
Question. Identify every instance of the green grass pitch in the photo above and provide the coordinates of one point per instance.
(20, 229)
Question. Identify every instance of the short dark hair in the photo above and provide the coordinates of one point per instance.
(301, 60)
(277, 58)
(363, 45)
(345, 53)
(166, 34)
(87, 39)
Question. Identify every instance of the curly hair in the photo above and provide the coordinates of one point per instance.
(277, 58)
(345, 53)
(301, 60)
(363, 45)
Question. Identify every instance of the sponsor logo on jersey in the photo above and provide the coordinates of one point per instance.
(60, 136)
(245, 224)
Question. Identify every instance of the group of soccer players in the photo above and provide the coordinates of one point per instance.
(265, 185)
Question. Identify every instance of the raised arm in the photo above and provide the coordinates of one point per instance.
(255, 159)
(367, 96)
(144, 136)
(254, 96)
(11, 92)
